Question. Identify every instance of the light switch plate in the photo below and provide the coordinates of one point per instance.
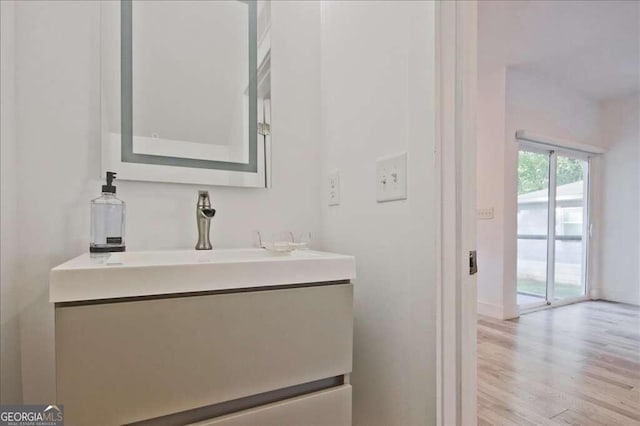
(391, 175)
(333, 188)
(485, 214)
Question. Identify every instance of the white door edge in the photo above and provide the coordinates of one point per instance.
(456, 77)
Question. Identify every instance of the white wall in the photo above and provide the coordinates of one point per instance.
(10, 382)
(545, 107)
(58, 161)
(620, 229)
(490, 156)
(378, 100)
(511, 100)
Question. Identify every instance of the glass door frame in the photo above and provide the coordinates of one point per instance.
(553, 153)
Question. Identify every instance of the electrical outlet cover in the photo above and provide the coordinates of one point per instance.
(333, 188)
(391, 175)
(485, 214)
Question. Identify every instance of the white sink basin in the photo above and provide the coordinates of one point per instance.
(188, 257)
(148, 273)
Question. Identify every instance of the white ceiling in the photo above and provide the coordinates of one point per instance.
(592, 47)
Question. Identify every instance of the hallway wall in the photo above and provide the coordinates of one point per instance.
(620, 229)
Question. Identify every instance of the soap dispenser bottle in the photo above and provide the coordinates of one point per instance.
(107, 220)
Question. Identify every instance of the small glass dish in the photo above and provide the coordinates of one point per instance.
(279, 246)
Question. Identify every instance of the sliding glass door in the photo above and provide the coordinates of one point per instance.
(552, 227)
(571, 229)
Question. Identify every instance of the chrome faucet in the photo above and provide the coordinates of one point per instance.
(204, 213)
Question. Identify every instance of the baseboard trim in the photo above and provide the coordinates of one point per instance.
(489, 310)
(497, 311)
(617, 298)
(510, 312)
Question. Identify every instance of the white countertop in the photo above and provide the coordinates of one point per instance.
(148, 273)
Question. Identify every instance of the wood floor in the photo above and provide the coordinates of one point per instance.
(577, 364)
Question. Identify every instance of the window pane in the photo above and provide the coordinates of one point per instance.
(533, 212)
(570, 228)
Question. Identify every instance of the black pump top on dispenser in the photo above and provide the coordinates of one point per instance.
(109, 187)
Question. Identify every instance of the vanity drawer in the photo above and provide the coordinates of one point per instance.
(323, 408)
(136, 360)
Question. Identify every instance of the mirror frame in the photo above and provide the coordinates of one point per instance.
(117, 150)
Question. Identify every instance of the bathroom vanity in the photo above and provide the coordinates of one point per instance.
(222, 337)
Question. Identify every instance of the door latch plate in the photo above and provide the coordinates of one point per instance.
(473, 263)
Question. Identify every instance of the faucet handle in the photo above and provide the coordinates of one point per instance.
(203, 199)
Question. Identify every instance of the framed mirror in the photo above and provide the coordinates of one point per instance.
(186, 91)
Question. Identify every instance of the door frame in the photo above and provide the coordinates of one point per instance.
(456, 81)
